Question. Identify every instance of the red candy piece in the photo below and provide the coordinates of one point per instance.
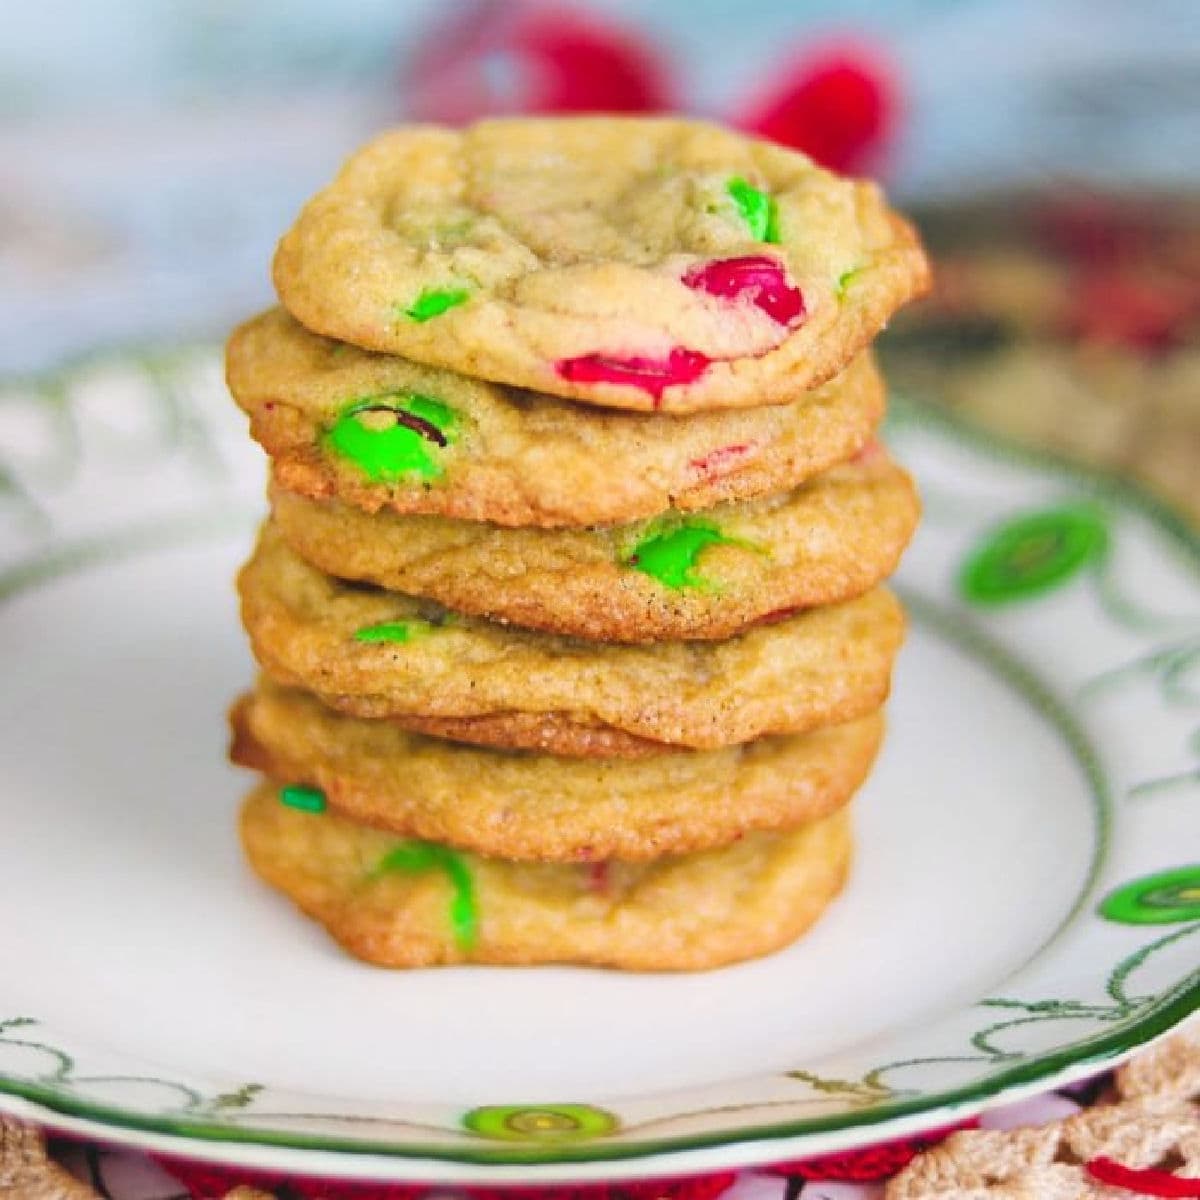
(777, 615)
(872, 451)
(1144, 1181)
(837, 103)
(653, 375)
(759, 278)
(598, 877)
(718, 461)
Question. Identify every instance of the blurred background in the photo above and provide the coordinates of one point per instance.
(151, 153)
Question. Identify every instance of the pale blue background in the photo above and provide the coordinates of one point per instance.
(152, 150)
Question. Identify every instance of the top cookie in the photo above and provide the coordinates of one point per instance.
(638, 263)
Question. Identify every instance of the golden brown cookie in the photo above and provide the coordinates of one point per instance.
(532, 806)
(640, 263)
(379, 432)
(411, 904)
(378, 654)
(706, 576)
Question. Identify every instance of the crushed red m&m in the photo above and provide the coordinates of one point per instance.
(757, 278)
(717, 462)
(653, 375)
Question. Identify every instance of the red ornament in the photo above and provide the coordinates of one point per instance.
(494, 57)
(838, 103)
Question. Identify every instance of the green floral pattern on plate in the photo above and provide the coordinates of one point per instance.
(1033, 553)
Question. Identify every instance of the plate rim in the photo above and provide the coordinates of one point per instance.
(1174, 1007)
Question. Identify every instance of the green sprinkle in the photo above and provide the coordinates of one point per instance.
(393, 435)
(416, 858)
(304, 799)
(432, 302)
(393, 631)
(670, 555)
(756, 208)
(845, 279)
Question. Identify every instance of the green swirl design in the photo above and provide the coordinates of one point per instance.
(1033, 554)
(1164, 898)
(540, 1123)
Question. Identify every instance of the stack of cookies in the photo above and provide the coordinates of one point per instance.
(568, 608)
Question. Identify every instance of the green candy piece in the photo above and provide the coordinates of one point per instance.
(415, 858)
(388, 447)
(393, 631)
(670, 555)
(1033, 554)
(303, 799)
(541, 1122)
(756, 208)
(845, 279)
(432, 302)
(1164, 898)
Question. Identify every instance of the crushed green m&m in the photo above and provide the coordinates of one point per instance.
(845, 279)
(396, 632)
(756, 208)
(432, 302)
(303, 799)
(670, 555)
(416, 858)
(394, 435)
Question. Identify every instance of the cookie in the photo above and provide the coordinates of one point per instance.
(402, 903)
(637, 263)
(532, 806)
(378, 654)
(705, 576)
(379, 432)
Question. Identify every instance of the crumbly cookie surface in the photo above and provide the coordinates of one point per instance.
(540, 807)
(379, 432)
(639, 263)
(704, 576)
(401, 903)
(377, 654)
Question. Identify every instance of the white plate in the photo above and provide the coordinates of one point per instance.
(1001, 931)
